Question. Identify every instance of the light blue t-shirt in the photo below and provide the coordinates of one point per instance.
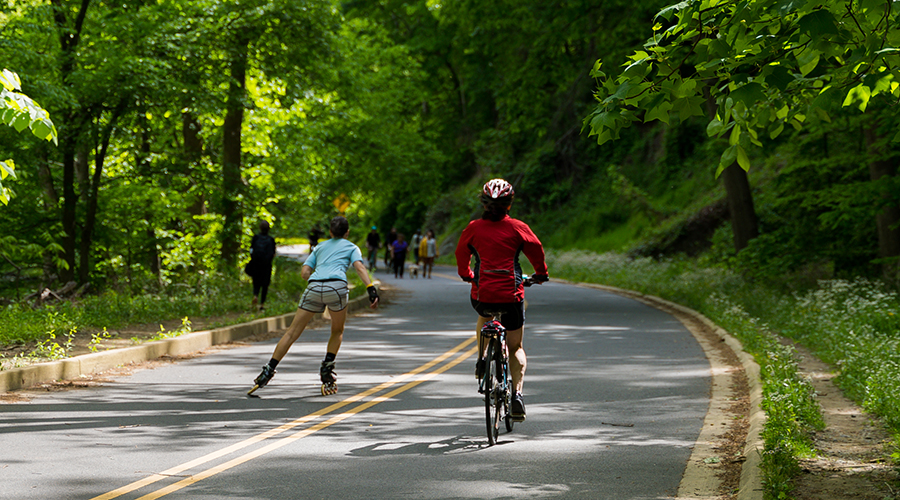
(331, 259)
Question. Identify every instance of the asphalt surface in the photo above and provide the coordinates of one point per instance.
(616, 393)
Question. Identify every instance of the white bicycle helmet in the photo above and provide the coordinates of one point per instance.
(496, 189)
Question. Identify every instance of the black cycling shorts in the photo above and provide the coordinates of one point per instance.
(513, 316)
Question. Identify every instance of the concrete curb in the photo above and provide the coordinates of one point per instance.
(751, 479)
(75, 367)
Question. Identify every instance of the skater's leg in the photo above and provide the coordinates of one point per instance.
(337, 330)
(301, 319)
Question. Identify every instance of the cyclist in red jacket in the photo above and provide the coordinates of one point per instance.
(495, 241)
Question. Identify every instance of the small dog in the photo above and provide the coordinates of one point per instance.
(413, 270)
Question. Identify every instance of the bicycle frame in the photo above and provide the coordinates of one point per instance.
(495, 360)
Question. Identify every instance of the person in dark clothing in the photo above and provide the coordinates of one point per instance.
(262, 252)
(389, 246)
(398, 250)
(373, 243)
(314, 234)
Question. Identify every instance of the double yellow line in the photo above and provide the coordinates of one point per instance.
(291, 425)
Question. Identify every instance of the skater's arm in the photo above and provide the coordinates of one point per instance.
(306, 272)
(363, 273)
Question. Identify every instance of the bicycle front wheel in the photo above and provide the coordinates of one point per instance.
(492, 398)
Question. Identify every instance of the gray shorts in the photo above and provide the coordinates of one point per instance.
(319, 294)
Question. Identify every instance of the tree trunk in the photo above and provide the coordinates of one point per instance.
(744, 223)
(69, 37)
(50, 200)
(193, 153)
(231, 154)
(887, 219)
(90, 217)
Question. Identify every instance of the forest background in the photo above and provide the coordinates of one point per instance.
(182, 123)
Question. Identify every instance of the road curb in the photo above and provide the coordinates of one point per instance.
(86, 364)
(696, 477)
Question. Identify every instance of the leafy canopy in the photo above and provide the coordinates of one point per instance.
(758, 65)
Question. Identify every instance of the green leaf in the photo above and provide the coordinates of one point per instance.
(749, 94)
(715, 128)
(829, 97)
(669, 11)
(42, 130)
(735, 136)
(858, 95)
(595, 72)
(818, 24)
(10, 80)
(779, 77)
(660, 113)
(742, 159)
(775, 129)
(21, 122)
(621, 92)
(7, 168)
(728, 157)
(808, 60)
(602, 120)
(785, 7)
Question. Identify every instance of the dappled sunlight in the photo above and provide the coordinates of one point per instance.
(555, 328)
(490, 489)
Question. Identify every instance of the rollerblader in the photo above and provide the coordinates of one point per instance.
(326, 271)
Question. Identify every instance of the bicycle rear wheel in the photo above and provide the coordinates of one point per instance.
(507, 396)
(492, 398)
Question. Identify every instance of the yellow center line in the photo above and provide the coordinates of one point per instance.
(303, 433)
(302, 420)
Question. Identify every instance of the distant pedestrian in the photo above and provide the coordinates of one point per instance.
(398, 251)
(314, 234)
(262, 252)
(414, 243)
(428, 252)
(373, 243)
(389, 247)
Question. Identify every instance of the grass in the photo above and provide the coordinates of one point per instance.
(852, 325)
(51, 327)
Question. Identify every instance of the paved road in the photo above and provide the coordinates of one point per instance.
(616, 393)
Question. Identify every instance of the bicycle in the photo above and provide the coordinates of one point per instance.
(495, 381)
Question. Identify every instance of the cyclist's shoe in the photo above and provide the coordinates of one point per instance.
(479, 368)
(517, 412)
(264, 376)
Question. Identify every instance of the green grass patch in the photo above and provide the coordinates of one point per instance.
(212, 296)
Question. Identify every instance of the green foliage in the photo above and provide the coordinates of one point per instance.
(765, 66)
(19, 111)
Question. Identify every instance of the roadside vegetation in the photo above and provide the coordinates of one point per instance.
(48, 331)
(850, 324)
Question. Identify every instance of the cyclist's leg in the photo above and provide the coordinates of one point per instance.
(517, 359)
(478, 324)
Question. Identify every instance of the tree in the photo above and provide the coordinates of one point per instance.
(764, 64)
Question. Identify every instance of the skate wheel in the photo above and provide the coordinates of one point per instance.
(251, 391)
(329, 389)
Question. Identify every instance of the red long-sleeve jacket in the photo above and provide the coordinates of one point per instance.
(497, 277)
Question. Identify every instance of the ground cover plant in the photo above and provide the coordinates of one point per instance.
(48, 331)
(852, 325)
